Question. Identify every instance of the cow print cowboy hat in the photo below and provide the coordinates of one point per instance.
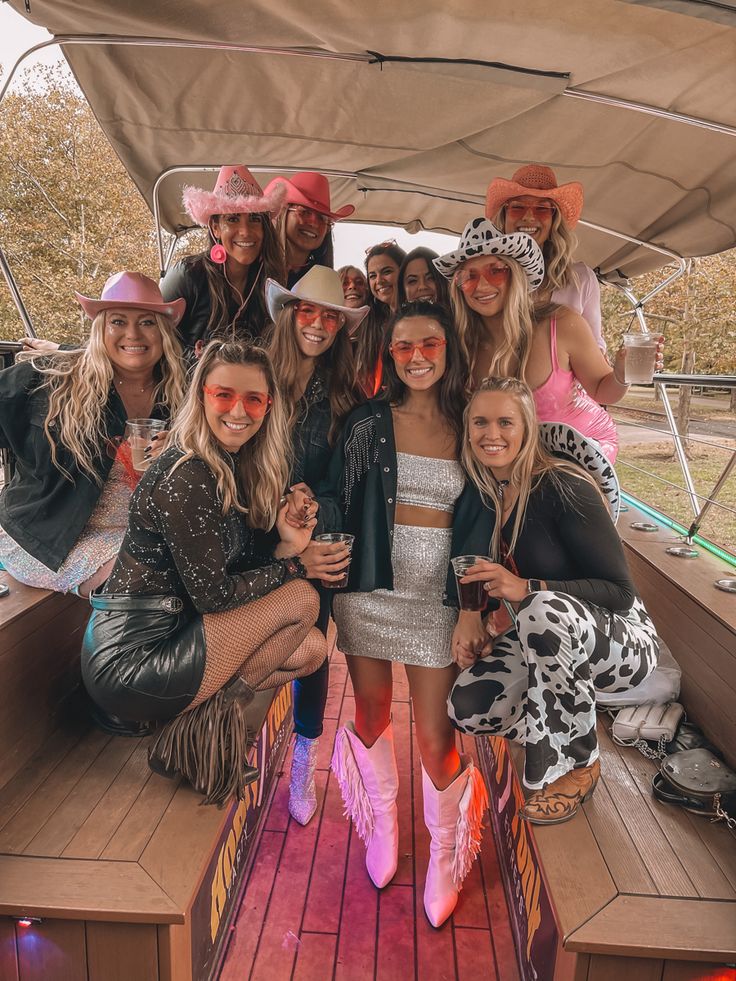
(481, 237)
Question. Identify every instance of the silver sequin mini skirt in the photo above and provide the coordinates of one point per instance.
(409, 623)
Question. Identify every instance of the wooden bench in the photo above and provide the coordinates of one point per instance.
(629, 888)
(130, 878)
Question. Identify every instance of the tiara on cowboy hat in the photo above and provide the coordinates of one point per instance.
(311, 191)
(236, 192)
(132, 290)
(481, 237)
(319, 285)
(540, 182)
(562, 440)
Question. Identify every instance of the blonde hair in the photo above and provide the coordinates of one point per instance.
(517, 326)
(264, 462)
(531, 464)
(78, 385)
(287, 357)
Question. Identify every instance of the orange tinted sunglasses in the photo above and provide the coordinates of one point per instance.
(255, 404)
(307, 313)
(468, 279)
(403, 351)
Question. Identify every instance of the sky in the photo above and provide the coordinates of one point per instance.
(351, 240)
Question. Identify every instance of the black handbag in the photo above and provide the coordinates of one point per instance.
(696, 780)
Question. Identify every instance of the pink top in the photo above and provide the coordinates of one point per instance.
(584, 297)
(562, 399)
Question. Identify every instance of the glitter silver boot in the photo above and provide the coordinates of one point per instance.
(302, 792)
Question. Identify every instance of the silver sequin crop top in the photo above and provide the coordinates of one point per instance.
(423, 481)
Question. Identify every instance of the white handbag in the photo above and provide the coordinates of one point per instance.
(639, 725)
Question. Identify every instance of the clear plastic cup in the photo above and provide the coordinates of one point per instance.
(641, 357)
(139, 433)
(472, 595)
(329, 539)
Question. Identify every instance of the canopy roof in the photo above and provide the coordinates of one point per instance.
(637, 102)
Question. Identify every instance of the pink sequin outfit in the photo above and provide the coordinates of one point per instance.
(99, 542)
(562, 399)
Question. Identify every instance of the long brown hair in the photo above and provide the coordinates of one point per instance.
(453, 386)
(338, 360)
(264, 462)
(531, 464)
(517, 326)
(323, 255)
(422, 252)
(370, 333)
(78, 385)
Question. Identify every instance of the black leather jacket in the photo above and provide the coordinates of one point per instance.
(41, 509)
(311, 445)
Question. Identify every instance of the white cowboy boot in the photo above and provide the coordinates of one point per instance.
(369, 782)
(454, 820)
(302, 792)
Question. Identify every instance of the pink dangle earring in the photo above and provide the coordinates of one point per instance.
(218, 254)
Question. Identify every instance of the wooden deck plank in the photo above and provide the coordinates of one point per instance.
(70, 815)
(356, 949)
(654, 926)
(106, 817)
(121, 952)
(337, 684)
(30, 819)
(435, 948)
(280, 934)
(663, 865)
(139, 824)
(249, 920)
(315, 957)
(278, 817)
(76, 889)
(404, 748)
(52, 949)
(474, 955)
(498, 911)
(605, 968)
(8, 951)
(395, 948)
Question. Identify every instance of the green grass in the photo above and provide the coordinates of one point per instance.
(706, 465)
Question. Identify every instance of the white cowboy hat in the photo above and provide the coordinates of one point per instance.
(562, 440)
(481, 237)
(319, 285)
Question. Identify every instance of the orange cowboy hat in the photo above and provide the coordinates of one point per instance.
(540, 182)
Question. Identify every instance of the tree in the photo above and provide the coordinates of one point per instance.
(69, 214)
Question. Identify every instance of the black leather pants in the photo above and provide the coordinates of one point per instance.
(143, 657)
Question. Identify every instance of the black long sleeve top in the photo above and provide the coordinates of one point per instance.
(567, 540)
(179, 543)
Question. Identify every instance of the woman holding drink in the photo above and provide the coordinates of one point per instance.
(396, 476)
(311, 352)
(569, 619)
(64, 513)
(193, 618)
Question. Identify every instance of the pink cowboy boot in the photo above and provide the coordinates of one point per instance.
(369, 782)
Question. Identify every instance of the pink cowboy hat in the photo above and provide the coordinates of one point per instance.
(312, 191)
(136, 291)
(236, 192)
(540, 182)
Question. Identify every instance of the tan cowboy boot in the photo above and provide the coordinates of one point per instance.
(560, 801)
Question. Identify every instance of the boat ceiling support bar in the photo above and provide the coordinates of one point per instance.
(673, 117)
(16, 294)
(697, 522)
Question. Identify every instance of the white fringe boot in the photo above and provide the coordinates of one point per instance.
(454, 820)
(302, 791)
(369, 782)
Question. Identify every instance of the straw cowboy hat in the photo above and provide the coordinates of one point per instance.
(540, 182)
(312, 191)
(236, 192)
(136, 291)
(319, 285)
(562, 440)
(481, 237)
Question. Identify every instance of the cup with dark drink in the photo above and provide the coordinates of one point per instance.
(471, 595)
(329, 539)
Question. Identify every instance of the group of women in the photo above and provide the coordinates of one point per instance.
(398, 406)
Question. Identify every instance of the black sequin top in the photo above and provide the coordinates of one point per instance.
(179, 543)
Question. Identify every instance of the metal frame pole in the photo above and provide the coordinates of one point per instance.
(16, 294)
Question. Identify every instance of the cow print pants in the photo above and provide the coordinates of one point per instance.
(537, 687)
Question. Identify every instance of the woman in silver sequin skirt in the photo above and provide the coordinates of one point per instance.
(396, 475)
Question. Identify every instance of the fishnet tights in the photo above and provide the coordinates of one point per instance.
(268, 641)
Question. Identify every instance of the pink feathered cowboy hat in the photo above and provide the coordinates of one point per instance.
(540, 182)
(312, 191)
(136, 291)
(236, 192)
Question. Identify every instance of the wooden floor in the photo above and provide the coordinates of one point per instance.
(310, 912)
